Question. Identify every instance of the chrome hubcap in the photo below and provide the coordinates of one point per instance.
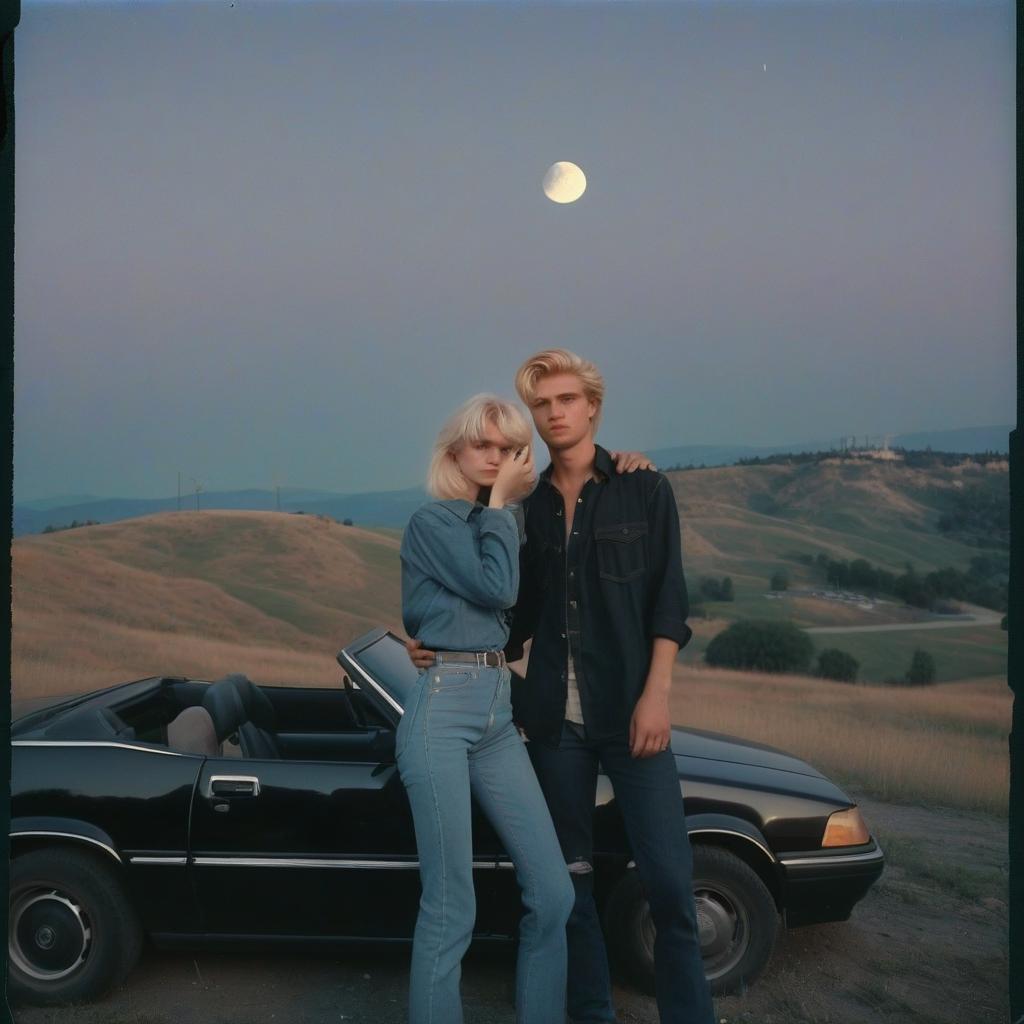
(723, 925)
(49, 935)
(724, 928)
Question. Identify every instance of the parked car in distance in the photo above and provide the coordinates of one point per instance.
(229, 815)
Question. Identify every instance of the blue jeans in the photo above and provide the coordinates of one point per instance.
(648, 795)
(456, 739)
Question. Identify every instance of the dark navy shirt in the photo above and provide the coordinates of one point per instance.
(603, 595)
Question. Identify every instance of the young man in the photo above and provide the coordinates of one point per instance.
(603, 597)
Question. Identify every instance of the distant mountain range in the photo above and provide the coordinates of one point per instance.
(965, 440)
(377, 508)
(393, 508)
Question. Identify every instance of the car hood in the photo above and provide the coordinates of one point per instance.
(715, 746)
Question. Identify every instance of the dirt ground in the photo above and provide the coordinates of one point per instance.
(928, 945)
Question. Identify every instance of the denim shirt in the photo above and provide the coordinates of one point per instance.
(460, 575)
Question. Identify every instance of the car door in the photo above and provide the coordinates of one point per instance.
(314, 848)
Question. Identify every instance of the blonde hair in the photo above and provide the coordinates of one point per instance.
(560, 360)
(465, 426)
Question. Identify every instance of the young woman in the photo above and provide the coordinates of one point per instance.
(460, 575)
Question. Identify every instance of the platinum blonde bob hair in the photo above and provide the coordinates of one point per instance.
(560, 360)
(465, 426)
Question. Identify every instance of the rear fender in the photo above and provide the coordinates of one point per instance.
(32, 833)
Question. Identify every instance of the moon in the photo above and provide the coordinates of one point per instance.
(564, 182)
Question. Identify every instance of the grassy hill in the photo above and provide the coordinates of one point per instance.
(275, 595)
(196, 593)
(748, 521)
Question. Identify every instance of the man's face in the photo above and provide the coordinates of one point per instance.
(561, 411)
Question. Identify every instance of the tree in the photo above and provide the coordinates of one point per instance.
(346, 522)
(726, 590)
(836, 664)
(922, 669)
(779, 580)
(762, 645)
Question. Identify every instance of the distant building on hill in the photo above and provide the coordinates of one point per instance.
(881, 454)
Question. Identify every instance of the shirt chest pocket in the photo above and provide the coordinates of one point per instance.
(621, 551)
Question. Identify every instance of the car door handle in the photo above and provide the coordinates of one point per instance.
(234, 785)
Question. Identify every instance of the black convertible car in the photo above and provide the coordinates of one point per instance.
(228, 815)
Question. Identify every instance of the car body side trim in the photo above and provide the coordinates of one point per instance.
(742, 835)
(314, 862)
(99, 743)
(387, 696)
(69, 835)
(826, 859)
(727, 832)
(158, 860)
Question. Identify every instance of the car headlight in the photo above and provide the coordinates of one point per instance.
(846, 828)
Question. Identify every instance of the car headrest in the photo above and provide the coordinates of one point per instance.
(91, 724)
(224, 703)
(257, 703)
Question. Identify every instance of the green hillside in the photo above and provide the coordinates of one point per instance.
(746, 522)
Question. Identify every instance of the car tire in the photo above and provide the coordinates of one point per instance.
(736, 915)
(72, 933)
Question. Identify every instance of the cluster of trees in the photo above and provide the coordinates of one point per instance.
(73, 525)
(985, 582)
(922, 459)
(763, 645)
(919, 459)
(713, 589)
(979, 515)
(769, 646)
(927, 459)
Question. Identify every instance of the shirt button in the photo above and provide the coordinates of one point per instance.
(579, 501)
(563, 636)
(572, 604)
(572, 575)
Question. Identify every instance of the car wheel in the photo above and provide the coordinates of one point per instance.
(71, 931)
(736, 916)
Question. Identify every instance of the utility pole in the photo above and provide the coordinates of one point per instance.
(198, 489)
(179, 490)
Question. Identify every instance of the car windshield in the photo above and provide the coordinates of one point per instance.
(387, 661)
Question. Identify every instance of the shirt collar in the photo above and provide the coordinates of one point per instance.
(461, 507)
(605, 468)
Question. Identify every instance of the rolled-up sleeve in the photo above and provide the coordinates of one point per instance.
(481, 566)
(669, 602)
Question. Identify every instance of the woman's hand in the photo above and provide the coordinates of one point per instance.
(514, 479)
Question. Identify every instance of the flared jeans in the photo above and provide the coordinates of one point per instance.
(455, 741)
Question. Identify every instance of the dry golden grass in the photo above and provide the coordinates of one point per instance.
(197, 594)
(943, 744)
(276, 596)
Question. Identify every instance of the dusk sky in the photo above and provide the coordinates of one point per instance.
(267, 242)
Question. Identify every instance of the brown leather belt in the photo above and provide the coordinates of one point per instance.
(488, 659)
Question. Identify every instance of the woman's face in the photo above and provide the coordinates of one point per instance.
(479, 461)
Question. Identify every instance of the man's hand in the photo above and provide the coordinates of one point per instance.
(629, 462)
(418, 654)
(650, 728)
